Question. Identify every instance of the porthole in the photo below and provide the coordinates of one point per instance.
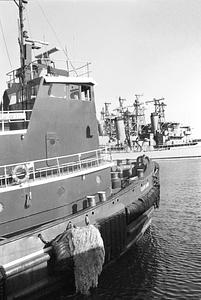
(74, 208)
(84, 204)
(88, 132)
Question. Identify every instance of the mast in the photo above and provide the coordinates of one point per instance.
(138, 112)
(22, 33)
(21, 40)
(159, 108)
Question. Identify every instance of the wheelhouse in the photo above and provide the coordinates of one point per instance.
(18, 103)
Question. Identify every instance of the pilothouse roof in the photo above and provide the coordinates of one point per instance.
(69, 79)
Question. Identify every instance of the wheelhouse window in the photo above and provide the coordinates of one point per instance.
(80, 92)
(71, 91)
(74, 92)
(13, 99)
(57, 90)
(86, 92)
(34, 90)
(16, 97)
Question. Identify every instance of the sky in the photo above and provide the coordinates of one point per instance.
(149, 47)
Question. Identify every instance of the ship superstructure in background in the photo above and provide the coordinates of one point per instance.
(57, 187)
(125, 129)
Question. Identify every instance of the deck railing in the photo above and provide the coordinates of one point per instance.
(32, 171)
(10, 120)
(118, 149)
(44, 66)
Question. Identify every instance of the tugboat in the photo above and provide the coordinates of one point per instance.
(66, 208)
(126, 130)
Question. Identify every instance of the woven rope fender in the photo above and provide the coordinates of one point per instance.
(84, 245)
(89, 255)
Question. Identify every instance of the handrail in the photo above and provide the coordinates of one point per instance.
(13, 116)
(53, 158)
(127, 149)
(55, 166)
(14, 113)
(77, 66)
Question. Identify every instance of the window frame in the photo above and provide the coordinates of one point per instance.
(52, 85)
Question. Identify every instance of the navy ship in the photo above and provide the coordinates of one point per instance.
(126, 130)
(65, 206)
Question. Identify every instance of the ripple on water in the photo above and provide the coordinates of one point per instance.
(166, 263)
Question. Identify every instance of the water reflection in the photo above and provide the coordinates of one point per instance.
(166, 263)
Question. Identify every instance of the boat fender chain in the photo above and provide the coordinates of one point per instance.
(3, 278)
(60, 253)
(20, 173)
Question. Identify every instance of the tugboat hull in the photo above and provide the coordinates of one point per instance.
(122, 219)
(65, 207)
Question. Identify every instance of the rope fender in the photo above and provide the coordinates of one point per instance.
(79, 250)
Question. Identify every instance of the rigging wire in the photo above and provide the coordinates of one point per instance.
(16, 3)
(57, 38)
(29, 27)
(6, 45)
(52, 28)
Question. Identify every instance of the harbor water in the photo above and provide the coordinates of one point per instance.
(166, 263)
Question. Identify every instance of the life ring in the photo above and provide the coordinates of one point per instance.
(20, 174)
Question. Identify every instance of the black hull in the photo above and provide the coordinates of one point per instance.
(36, 277)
